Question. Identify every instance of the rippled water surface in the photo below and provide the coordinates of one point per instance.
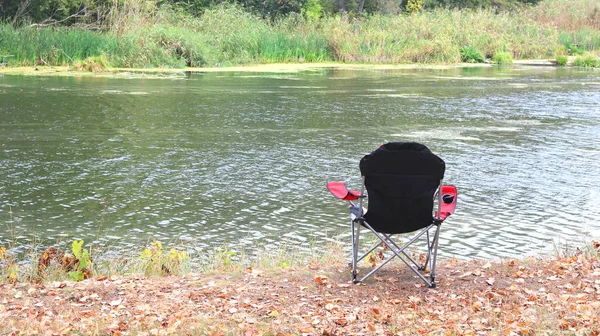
(243, 158)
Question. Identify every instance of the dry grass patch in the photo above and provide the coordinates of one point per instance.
(520, 297)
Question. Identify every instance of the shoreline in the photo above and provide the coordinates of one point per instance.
(272, 68)
(532, 296)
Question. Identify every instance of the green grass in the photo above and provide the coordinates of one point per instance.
(561, 60)
(471, 55)
(224, 35)
(156, 259)
(587, 61)
(502, 58)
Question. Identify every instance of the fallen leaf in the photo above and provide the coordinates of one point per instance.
(490, 281)
(321, 279)
(340, 321)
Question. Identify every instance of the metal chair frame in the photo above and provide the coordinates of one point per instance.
(357, 221)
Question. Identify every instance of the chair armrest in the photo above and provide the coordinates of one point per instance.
(340, 191)
(448, 205)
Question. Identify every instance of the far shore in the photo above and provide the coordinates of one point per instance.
(274, 68)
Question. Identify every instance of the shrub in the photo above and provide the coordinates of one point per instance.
(471, 55)
(92, 64)
(156, 261)
(561, 60)
(587, 61)
(502, 58)
(312, 9)
(413, 6)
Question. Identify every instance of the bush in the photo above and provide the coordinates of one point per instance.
(92, 64)
(561, 60)
(471, 55)
(587, 61)
(413, 6)
(312, 9)
(502, 58)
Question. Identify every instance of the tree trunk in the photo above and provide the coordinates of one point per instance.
(342, 4)
(361, 6)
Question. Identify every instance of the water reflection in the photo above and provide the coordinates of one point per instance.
(243, 159)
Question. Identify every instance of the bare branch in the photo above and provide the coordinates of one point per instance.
(21, 10)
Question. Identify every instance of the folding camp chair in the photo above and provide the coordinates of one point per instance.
(403, 181)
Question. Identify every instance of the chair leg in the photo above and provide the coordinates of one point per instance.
(435, 242)
(428, 258)
(355, 236)
(397, 252)
(416, 264)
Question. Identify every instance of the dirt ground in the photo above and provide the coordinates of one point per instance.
(511, 297)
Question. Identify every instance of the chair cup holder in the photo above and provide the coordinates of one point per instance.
(447, 198)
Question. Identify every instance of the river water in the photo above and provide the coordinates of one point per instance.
(242, 158)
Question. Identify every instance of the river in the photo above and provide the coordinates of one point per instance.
(242, 158)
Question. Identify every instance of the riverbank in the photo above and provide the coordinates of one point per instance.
(533, 296)
(273, 68)
(226, 36)
(260, 68)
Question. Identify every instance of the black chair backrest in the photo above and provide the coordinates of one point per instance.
(401, 179)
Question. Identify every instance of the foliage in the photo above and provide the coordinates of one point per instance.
(312, 9)
(8, 267)
(502, 58)
(54, 263)
(471, 55)
(149, 33)
(58, 46)
(474, 4)
(533, 296)
(156, 262)
(587, 61)
(81, 262)
(567, 16)
(413, 6)
(568, 41)
(561, 60)
(92, 64)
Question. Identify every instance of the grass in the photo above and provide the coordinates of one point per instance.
(471, 55)
(50, 264)
(561, 60)
(587, 61)
(142, 36)
(550, 296)
(502, 58)
(92, 64)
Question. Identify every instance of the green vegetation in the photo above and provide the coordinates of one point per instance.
(53, 264)
(561, 60)
(97, 35)
(471, 55)
(587, 61)
(502, 58)
(555, 295)
(106, 11)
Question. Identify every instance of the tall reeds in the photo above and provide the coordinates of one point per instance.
(138, 34)
(577, 21)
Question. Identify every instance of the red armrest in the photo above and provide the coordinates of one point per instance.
(448, 205)
(339, 190)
